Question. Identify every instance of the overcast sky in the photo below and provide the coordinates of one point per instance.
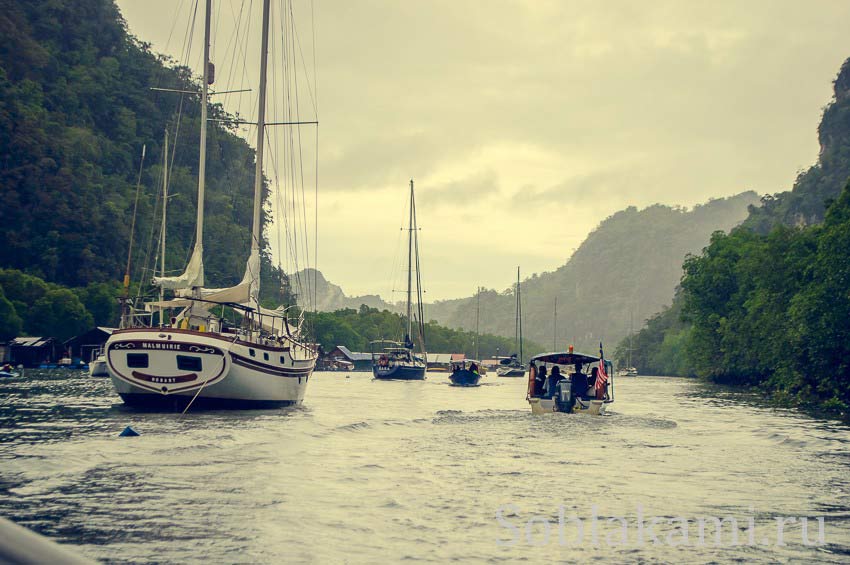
(525, 123)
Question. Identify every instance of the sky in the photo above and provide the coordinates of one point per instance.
(526, 123)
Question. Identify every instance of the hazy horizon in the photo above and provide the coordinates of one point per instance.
(526, 124)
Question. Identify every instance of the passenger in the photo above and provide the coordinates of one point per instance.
(591, 380)
(552, 383)
(540, 381)
(578, 382)
(7, 368)
(473, 368)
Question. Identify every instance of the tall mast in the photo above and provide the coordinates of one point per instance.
(202, 162)
(162, 236)
(477, 316)
(261, 131)
(410, 264)
(519, 313)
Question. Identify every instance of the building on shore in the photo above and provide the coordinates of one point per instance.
(84, 346)
(32, 351)
(340, 356)
(442, 362)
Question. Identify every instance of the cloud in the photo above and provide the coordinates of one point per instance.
(474, 189)
(502, 110)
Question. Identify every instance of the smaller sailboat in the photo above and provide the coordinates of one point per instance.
(629, 370)
(512, 366)
(469, 371)
(397, 360)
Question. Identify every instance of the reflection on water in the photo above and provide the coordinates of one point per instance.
(369, 471)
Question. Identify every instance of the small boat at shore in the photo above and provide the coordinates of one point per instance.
(466, 373)
(573, 391)
(97, 365)
(8, 371)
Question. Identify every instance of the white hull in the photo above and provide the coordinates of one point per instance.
(547, 405)
(97, 368)
(217, 370)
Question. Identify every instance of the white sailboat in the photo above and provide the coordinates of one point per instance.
(197, 358)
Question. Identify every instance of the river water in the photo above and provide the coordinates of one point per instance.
(369, 471)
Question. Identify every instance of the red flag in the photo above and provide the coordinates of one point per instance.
(601, 376)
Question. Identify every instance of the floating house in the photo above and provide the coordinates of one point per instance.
(442, 362)
(341, 356)
(83, 347)
(32, 351)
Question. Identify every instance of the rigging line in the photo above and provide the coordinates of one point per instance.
(133, 223)
(235, 48)
(189, 37)
(291, 165)
(174, 19)
(297, 41)
(300, 147)
(316, 174)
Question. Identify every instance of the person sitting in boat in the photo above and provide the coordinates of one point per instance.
(7, 368)
(383, 361)
(540, 381)
(473, 368)
(578, 383)
(591, 380)
(552, 383)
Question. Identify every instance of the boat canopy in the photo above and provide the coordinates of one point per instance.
(564, 358)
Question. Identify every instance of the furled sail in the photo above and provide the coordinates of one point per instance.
(246, 292)
(192, 277)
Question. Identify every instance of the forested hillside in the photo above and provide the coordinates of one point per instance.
(628, 266)
(768, 305)
(76, 109)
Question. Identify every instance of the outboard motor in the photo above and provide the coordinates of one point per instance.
(564, 399)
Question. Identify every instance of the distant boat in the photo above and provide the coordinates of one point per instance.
(243, 355)
(397, 360)
(8, 371)
(469, 371)
(466, 373)
(97, 365)
(512, 366)
(629, 371)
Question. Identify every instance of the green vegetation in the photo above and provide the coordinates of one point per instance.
(356, 328)
(76, 108)
(768, 305)
(38, 308)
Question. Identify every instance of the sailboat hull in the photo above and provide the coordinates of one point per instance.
(399, 372)
(217, 370)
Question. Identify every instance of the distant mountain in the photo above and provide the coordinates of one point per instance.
(806, 202)
(628, 266)
(330, 297)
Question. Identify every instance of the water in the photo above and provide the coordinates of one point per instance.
(371, 471)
